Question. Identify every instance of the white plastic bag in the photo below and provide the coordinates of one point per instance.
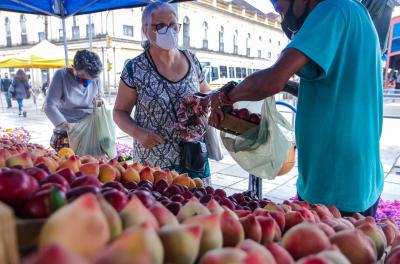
(95, 134)
(213, 142)
(105, 129)
(261, 151)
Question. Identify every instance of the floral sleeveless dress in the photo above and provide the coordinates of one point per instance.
(153, 110)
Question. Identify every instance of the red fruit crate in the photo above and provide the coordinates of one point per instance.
(234, 125)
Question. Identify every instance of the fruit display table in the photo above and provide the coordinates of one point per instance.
(62, 208)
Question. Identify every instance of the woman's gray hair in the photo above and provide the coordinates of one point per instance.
(147, 16)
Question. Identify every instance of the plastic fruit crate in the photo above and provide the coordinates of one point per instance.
(234, 125)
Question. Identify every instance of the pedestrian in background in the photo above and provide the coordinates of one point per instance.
(20, 89)
(5, 85)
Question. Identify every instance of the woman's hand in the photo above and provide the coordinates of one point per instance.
(148, 139)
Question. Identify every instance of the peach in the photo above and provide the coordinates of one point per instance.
(86, 237)
(242, 213)
(54, 254)
(322, 210)
(293, 240)
(65, 153)
(329, 231)
(73, 162)
(112, 217)
(293, 218)
(390, 230)
(192, 184)
(224, 256)
(214, 207)
(135, 213)
(307, 215)
(163, 215)
(396, 242)
(88, 159)
(181, 243)
(232, 229)
(192, 208)
(377, 235)
(107, 173)
(212, 234)
(23, 159)
(137, 166)
(49, 162)
(146, 174)
(334, 255)
(394, 256)
(270, 231)
(182, 179)
(271, 206)
(357, 247)
(280, 254)
(130, 174)
(314, 259)
(368, 219)
(138, 244)
(252, 228)
(90, 169)
(253, 248)
(199, 183)
(279, 218)
(358, 216)
(335, 212)
(160, 175)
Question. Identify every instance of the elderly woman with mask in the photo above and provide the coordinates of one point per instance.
(70, 95)
(155, 82)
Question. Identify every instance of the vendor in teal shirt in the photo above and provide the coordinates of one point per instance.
(335, 50)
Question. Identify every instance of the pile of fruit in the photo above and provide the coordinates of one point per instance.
(246, 115)
(140, 214)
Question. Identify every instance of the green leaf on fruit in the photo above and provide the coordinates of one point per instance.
(57, 199)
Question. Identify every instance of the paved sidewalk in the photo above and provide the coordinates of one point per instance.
(226, 173)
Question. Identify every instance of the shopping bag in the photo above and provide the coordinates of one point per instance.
(105, 128)
(262, 150)
(213, 143)
(83, 137)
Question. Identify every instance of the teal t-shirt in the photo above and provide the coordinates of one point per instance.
(339, 117)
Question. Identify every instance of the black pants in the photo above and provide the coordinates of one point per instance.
(369, 212)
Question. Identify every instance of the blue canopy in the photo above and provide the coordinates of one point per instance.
(66, 8)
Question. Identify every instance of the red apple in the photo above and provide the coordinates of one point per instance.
(244, 114)
(49, 185)
(86, 181)
(131, 185)
(43, 203)
(114, 184)
(255, 118)
(219, 192)
(56, 178)
(16, 187)
(68, 174)
(145, 197)
(160, 186)
(174, 207)
(80, 190)
(44, 167)
(116, 198)
(37, 173)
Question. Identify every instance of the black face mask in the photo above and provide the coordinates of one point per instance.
(292, 24)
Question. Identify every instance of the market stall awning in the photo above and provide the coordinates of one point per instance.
(42, 55)
(64, 8)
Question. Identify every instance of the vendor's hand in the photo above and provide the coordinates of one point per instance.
(148, 139)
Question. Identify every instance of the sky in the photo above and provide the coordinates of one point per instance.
(263, 5)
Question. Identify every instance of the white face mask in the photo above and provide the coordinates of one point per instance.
(167, 41)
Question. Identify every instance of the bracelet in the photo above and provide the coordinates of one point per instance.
(224, 99)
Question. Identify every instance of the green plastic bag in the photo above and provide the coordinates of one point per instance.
(261, 151)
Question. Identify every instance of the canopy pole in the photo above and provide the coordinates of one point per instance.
(62, 14)
(90, 32)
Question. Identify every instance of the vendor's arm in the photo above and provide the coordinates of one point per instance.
(124, 103)
(52, 101)
(268, 82)
(292, 88)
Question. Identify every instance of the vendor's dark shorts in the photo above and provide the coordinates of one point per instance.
(369, 212)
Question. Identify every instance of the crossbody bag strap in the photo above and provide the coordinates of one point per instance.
(165, 88)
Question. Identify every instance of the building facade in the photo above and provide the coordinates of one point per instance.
(231, 40)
